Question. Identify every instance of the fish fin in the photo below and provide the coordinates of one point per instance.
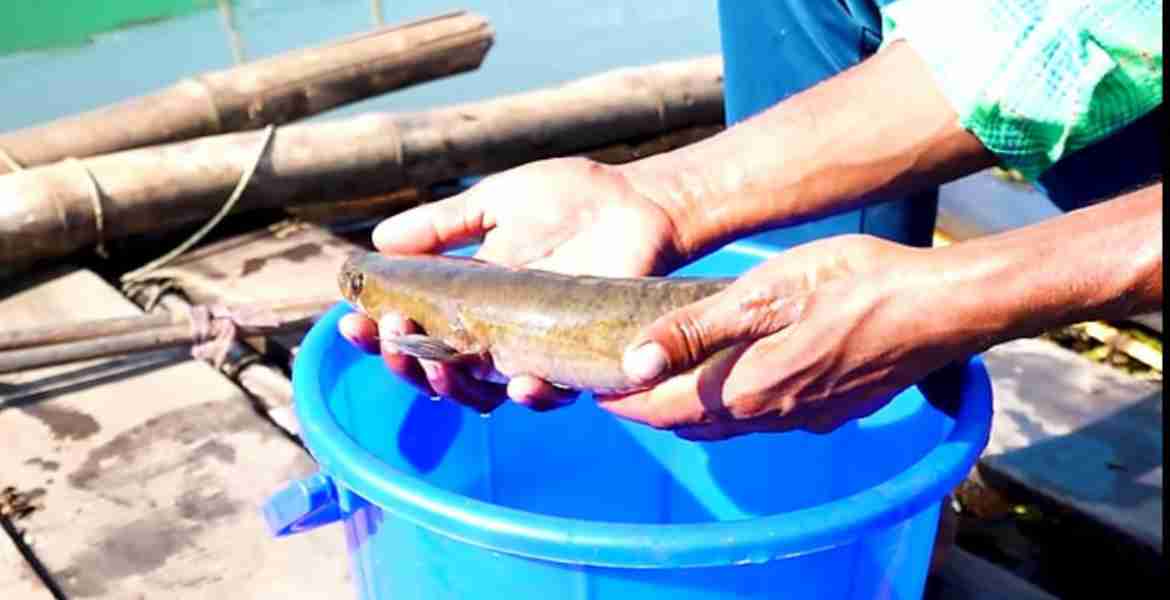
(424, 347)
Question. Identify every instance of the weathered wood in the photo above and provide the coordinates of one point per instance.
(263, 266)
(152, 480)
(266, 265)
(18, 580)
(158, 334)
(278, 90)
(627, 151)
(1153, 321)
(982, 204)
(967, 577)
(57, 333)
(384, 205)
(50, 210)
(1079, 434)
(266, 383)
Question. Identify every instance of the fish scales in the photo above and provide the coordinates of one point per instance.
(568, 330)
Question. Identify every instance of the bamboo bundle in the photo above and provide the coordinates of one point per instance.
(275, 90)
(52, 210)
(383, 205)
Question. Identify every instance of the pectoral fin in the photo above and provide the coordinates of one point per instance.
(422, 346)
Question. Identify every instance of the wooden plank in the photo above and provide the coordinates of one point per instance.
(290, 258)
(1080, 434)
(153, 469)
(18, 581)
(965, 576)
(1152, 320)
(982, 204)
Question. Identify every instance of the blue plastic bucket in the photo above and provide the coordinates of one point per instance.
(438, 502)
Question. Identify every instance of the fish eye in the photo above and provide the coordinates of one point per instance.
(357, 280)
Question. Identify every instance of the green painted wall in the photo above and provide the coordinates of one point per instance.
(43, 24)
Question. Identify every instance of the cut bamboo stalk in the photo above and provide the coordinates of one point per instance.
(385, 205)
(99, 328)
(49, 211)
(293, 317)
(71, 332)
(275, 90)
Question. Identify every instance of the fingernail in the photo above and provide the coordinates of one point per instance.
(391, 324)
(645, 362)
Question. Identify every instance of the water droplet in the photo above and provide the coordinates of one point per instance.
(436, 398)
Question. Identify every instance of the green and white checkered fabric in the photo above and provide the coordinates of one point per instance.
(1036, 80)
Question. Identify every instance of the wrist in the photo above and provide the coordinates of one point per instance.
(1100, 263)
(876, 131)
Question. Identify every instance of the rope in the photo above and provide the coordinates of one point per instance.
(95, 197)
(9, 161)
(142, 272)
(214, 328)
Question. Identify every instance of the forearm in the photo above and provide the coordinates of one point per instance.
(875, 131)
(1098, 263)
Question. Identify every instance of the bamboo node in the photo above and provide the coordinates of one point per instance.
(213, 108)
(95, 197)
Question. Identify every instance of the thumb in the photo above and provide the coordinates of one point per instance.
(688, 335)
(432, 228)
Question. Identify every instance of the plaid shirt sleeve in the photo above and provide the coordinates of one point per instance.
(1036, 80)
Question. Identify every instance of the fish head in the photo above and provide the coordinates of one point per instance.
(351, 280)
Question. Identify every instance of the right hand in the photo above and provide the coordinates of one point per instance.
(570, 215)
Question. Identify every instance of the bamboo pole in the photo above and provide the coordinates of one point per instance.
(49, 211)
(71, 332)
(290, 317)
(265, 382)
(384, 205)
(275, 90)
(98, 328)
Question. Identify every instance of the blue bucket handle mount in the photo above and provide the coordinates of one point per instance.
(302, 505)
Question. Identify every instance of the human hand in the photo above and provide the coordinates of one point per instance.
(569, 215)
(817, 336)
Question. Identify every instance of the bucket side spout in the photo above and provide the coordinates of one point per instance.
(302, 505)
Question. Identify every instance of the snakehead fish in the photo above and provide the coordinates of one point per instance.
(568, 330)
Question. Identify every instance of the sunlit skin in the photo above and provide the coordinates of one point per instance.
(824, 332)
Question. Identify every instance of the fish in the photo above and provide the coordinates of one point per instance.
(568, 330)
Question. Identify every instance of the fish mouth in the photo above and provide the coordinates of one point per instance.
(350, 279)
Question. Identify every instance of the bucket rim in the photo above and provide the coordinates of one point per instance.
(634, 545)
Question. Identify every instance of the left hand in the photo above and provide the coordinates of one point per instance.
(817, 336)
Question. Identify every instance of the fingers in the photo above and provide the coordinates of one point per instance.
(676, 402)
(686, 336)
(468, 385)
(538, 395)
(359, 331)
(402, 365)
(454, 384)
(433, 228)
(724, 430)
